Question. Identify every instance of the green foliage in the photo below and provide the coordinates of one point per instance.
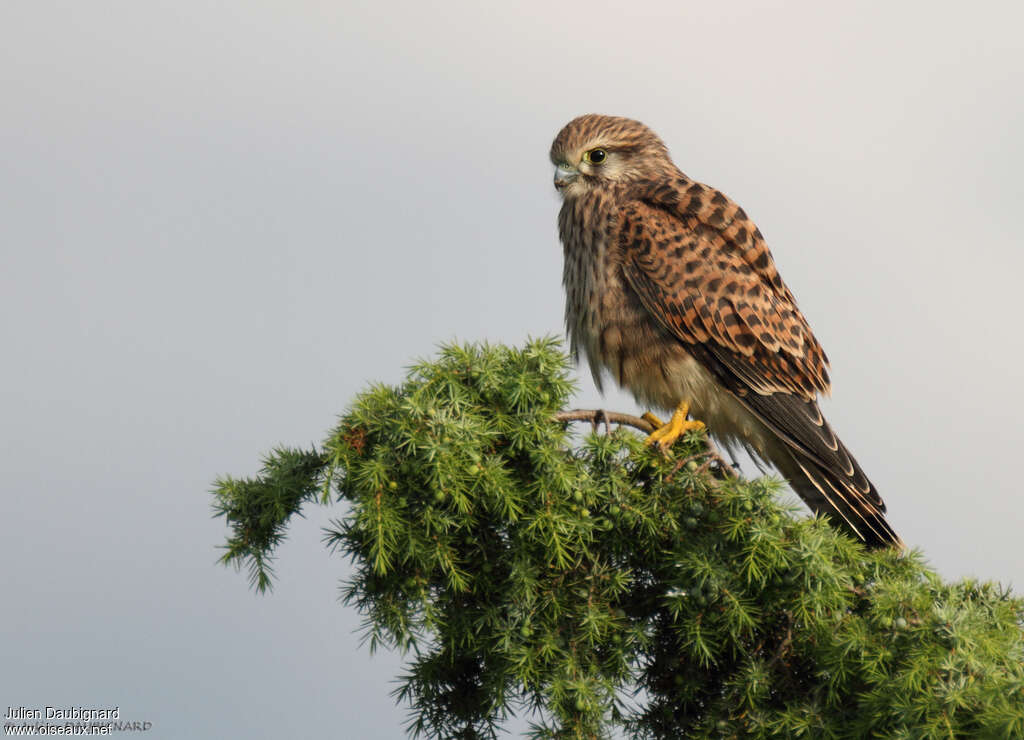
(258, 509)
(599, 585)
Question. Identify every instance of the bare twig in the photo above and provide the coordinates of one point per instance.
(780, 651)
(679, 465)
(597, 416)
(716, 456)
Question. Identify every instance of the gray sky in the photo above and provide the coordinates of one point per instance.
(220, 221)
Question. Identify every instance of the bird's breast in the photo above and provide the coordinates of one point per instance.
(604, 317)
(593, 285)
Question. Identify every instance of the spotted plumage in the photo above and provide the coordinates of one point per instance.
(671, 290)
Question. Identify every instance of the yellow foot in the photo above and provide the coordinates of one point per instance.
(665, 435)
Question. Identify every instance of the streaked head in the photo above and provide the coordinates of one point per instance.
(595, 149)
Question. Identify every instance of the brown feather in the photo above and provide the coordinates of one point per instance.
(672, 290)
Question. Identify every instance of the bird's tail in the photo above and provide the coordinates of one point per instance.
(845, 496)
(806, 450)
(841, 492)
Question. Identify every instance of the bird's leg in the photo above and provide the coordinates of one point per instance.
(664, 435)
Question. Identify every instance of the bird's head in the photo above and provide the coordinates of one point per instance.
(595, 150)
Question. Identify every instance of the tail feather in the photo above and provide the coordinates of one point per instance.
(837, 495)
(805, 449)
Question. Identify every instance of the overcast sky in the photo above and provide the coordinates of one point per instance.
(220, 221)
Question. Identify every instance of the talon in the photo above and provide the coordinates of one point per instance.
(653, 420)
(665, 435)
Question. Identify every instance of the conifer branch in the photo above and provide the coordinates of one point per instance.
(606, 587)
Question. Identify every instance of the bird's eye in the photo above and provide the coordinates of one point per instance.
(595, 156)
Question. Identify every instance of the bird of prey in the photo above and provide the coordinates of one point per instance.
(672, 291)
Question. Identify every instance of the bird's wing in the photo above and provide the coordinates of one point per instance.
(702, 270)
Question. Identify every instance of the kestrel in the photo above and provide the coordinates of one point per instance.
(672, 291)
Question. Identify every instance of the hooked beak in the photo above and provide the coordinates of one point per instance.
(565, 175)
